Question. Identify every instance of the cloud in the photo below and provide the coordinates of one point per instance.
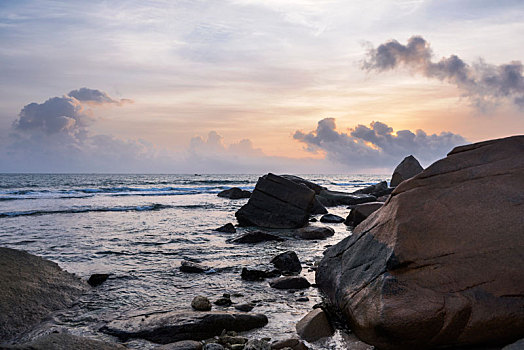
(94, 96)
(213, 146)
(376, 146)
(486, 85)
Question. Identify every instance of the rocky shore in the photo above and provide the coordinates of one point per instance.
(435, 261)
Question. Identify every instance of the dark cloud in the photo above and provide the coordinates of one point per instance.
(376, 146)
(94, 96)
(484, 84)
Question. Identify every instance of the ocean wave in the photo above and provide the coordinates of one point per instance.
(149, 207)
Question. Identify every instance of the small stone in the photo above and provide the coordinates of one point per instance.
(97, 279)
(314, 325)
(291, 343)
(191, 267)
(213, 346)
(182, 345)
(227, 228)
(290, 282)
(257, 344)
(244, 307)
(303, 299)
(331, 218)
(201, 303)
(224, 301)
(287, 262)
(314, 232)
(256, 237)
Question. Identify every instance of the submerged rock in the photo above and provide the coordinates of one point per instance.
(245, 307)
(256, 237)
(227, 228)
(287, 262)
(192, 267)
(97, 279)
(408, 168)
(234, 193)
(168, 327)
(331, 218)
(290, 282)
(360, 212)
(314, 326)
(314, 232)
(277, 202)
(440, 264)
(31, 288)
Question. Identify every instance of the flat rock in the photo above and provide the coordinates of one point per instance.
(290, 282)
(314, 326)
(277, 202)
(256, 237)
(314, 232)
(287, 262)
(169, 327)
(440, 264)
(361, 211)
(30, 289)
(408, 168)
(332, 219)
(227, 228)
(333, 198)
(65, 341)
(234, 193)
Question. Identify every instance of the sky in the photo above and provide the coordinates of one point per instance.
(252, 86)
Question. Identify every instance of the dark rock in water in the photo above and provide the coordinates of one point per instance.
(360, 212)
(440, 264)
(234, 193)
(290, 282)
(31, 288)
(245, 307)
(64, 341)
(331, 218)
(227, 228)
(287, 262)
(277, 203)
(313, 220)
(97, 279)
(334, 198)
(314, 232)
(314, 326)
(213, 346)
(201, 303)
(182, 345)
(257, 344)
(168, 327)
(191, 267)
(302, 299)
(256, 237)
(253, 275)
(225, 300)
(298, 180)
(377, 190)
(318, 208)
(408, 168)
(291, 343)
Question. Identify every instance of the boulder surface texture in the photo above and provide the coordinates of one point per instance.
(440, 264)
(168, 327)
(277, 202)
(30, 289)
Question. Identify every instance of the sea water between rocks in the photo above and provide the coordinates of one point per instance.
(139, 228)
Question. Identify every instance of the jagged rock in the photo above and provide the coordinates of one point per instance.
(377, 190)
(256, 237)
(290, 282)
(298, 180)
(318, 208)
(408, 168)
(314, 326)
(31, 288)
(97, 279)
(334, 198)
(192, 267)
(201, 303)
(440, 264)
(64, 341)
(314, 232)
(277, 202)
(169, 327)
(287, 262)
(331, 218)
(182, 345)
(227, 228)
(234, 193)
(360, 212)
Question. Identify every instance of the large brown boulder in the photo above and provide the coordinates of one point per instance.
(30, 289)
(441, 262)
(277, 202)
(408, 168)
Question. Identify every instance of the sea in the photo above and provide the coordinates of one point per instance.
(139, 228)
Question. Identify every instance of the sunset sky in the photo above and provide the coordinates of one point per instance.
(252, 86)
